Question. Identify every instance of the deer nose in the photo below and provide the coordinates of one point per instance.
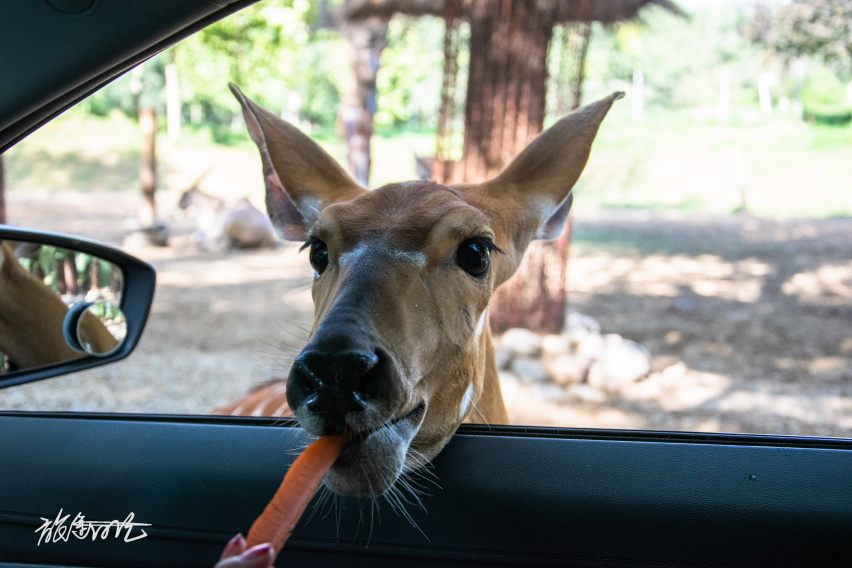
(331, 385)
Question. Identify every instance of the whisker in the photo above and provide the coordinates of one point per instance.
(323, 493)
(485, 420)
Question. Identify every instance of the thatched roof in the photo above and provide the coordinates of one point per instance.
(605, 11)
(608, 11)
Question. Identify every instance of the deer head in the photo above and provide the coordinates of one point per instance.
(400, 352)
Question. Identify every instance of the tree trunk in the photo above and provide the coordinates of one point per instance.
(116, 280)
(507, 80)
(72, 277)
(94, 275)
(148, 164)
(366, 38)
(59, 267)
(504, 111)
(535, 297)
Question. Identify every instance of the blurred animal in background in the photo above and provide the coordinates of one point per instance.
(222, 225)
(423, 166)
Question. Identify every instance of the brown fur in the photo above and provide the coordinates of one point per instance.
(31, 317)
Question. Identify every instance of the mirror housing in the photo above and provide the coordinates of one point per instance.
(138, 280)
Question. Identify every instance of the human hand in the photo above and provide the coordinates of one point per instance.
(235, 555)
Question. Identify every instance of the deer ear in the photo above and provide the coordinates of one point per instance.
(544, 173)
(301, 178)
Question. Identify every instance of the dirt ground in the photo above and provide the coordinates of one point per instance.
(749, 322)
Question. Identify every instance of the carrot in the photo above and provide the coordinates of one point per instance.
(300, 483)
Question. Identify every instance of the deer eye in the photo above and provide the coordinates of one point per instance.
(474, 256)
(318, 255)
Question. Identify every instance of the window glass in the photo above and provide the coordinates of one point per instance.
(707, 267)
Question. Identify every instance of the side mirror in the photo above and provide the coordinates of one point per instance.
(67, 304)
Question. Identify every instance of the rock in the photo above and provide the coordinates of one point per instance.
(548, 392)
(675, 372)
(566, 369)
(529, 370)
(510, 385)
(555, 345)
(613, 339)
(618, 363)
(138, 235)
(522, 342)
(590, 346)
(503, 358)
(577, 326)
(586, 393)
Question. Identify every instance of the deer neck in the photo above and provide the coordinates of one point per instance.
(31, 317)
(488, 407)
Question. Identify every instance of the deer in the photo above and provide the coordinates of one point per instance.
(32, 316)
(224, 225)
(400, 352)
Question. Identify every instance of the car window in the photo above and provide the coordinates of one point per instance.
(708, 268)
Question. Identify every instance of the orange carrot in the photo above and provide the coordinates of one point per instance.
(300, 483)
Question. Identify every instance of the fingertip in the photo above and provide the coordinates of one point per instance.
(235, 547)
(259, 551)
(260, 556)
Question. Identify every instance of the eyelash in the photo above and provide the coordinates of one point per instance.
(309, 242)
(487, 243)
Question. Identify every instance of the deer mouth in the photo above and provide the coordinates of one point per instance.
(374, 458)
(414, 414)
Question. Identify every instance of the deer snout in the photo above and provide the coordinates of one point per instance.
(331, 390)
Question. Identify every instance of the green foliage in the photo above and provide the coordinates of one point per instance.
(788, 169)
(821, 28)
(411, 93)
(141, 86)
(260, 48)
(320, 75)
(255, 48)
(821, 87)
(681, 67)
(832, 115)
(823, 97)
(272, 52)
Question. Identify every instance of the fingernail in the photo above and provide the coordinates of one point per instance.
(258, 551)
(232, 546)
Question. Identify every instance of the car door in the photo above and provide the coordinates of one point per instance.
(179, 487)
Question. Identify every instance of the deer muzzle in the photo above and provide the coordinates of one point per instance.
(343, 381)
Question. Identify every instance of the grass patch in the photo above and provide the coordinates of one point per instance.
(675, 160)
(779, 168)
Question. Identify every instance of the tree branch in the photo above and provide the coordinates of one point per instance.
(359, 9)
(608, 12)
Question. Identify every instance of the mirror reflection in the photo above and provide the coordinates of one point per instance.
(56, 304)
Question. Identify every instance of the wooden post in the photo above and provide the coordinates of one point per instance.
(173, 110)
(148, 164)
(638, 95)
(763, 94)
(724, 94)
(367, 39)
